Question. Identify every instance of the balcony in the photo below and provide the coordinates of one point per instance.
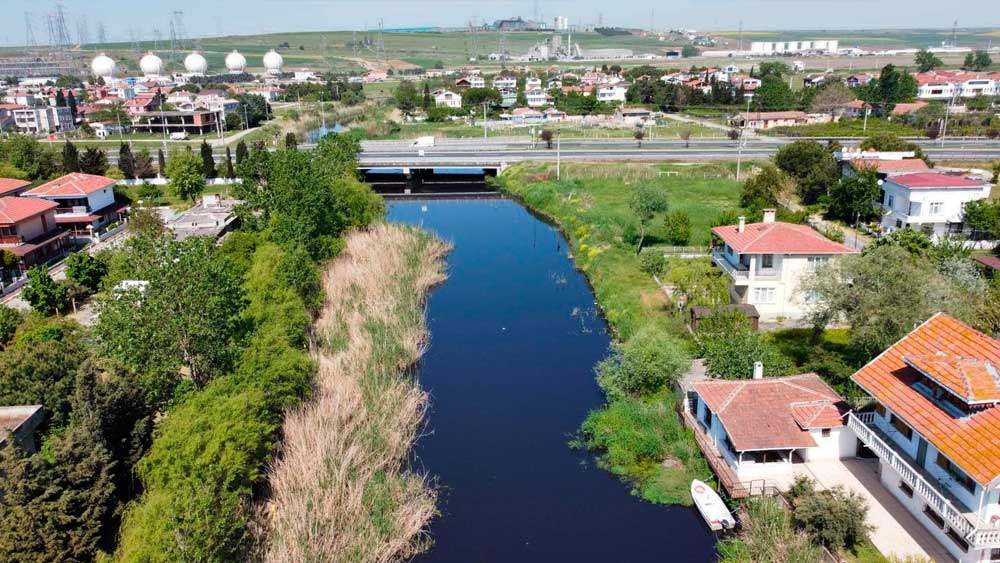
(863, 426)
(740, 273)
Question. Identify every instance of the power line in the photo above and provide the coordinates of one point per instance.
(29, 34)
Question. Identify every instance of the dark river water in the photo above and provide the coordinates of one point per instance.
(515, 334)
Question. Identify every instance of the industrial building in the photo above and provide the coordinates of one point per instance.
(767, 48)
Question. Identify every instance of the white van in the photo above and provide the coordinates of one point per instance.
(178, 136)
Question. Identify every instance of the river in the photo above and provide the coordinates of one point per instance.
(515, 334)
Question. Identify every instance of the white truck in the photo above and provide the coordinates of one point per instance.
(423, 142)
(178, 136)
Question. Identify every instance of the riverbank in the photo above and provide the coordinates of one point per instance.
(637, 436)
(342, 489)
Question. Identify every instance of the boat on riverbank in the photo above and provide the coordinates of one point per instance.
(713, 510)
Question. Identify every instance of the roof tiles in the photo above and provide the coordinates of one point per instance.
(972, 441)
(75, 184)
(778, 238)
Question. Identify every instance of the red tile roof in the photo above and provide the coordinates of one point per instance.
(778, 238)
(13, 210)
(989, 261)
(905, 108)
(890, 166)
(773, 413)
(8, 185)
(925, 180)
(73, 184)
(972, 441)
(970, 379)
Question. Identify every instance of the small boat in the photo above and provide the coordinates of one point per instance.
(712, 509)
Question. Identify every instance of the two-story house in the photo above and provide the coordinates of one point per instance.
(612, 93)
(936, 431)
(766, 263)
(929, 201)
(804, 421)
(447, 99)
(536, 98)
(85, 202)
(505, 82)
(29, 230)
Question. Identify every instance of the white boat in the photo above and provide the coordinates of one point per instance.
(712, 509)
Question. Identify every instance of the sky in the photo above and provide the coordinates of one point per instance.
(123, 18)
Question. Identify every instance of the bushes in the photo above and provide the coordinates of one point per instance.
(210, 451)
(833, 517)
(633, 438)
(649, 361)
(768, 537)
(653, 263)
(677, 228)
(731, 347)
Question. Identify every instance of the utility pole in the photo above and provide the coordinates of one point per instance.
(739, 145)
(558, 154)
(484, 120)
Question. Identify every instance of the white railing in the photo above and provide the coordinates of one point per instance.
(730, 269)
(861, 424)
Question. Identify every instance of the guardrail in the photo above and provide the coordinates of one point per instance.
(863, 426)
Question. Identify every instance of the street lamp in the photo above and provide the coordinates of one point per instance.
(739, 142)
(558, 153)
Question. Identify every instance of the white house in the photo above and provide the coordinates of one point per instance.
(929, 201)
(536, 98)
(612, 93)
(766, 263)
(447, 98)
(85, 202)
(761, 425)
(40, 120)
(935, 430)
(532, 83)
(945, 85)
(505, 82)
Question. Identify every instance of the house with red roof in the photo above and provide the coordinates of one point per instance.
(12, 186)
(929, 201)
(761, 425)
(935, 429)
(28, 229)
(84, 202)
(767, 261)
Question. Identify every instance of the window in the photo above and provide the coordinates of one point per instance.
(995, 554)
(901, 426)
(937, 207)
(955, 473)
(826, 432)
(890, 201)
(763, 296)
(933, 516)
(813, 263)
(767, 260)
(907, 490)
(959, 541)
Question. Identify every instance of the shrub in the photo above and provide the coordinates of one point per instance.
(834, 517)
(768, 537)
(677, 228)
(10, 318)
(644, 364)
(732, 355)
(653, 263)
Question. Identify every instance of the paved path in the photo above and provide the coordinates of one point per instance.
(897, 533)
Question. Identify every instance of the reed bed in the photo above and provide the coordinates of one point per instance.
(342, 489)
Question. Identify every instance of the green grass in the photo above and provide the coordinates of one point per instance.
(864, 553)
(640, 439)
(847, 127)
(832, 357)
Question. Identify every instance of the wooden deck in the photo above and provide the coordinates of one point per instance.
(727, 478)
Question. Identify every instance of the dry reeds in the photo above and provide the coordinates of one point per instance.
(342, 489)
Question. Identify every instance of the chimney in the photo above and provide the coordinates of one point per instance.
(758, 370)
(769, 215)
(742, 225)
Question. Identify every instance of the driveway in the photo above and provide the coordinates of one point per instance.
(896, 532)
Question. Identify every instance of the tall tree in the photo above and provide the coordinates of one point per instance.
(813, 167)
(188, 318)
(86, 270)
(187, 175)
(71, 102)
(765, 188)
(406, 97)
(70, 158)
(773, 95)
(143, 165)
(230, 171)
(207, 160)
(43, 293)
(890, 88)
(60, 99)
(94, 161)
(981, 60)
(56, 506)
(126, 162)
(290, 141)
(428, 101)
(927, 61)
(855, 198)
(241, 152)
(161, 162)
(646, 202)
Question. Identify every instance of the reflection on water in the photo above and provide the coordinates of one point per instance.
(515, 334)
